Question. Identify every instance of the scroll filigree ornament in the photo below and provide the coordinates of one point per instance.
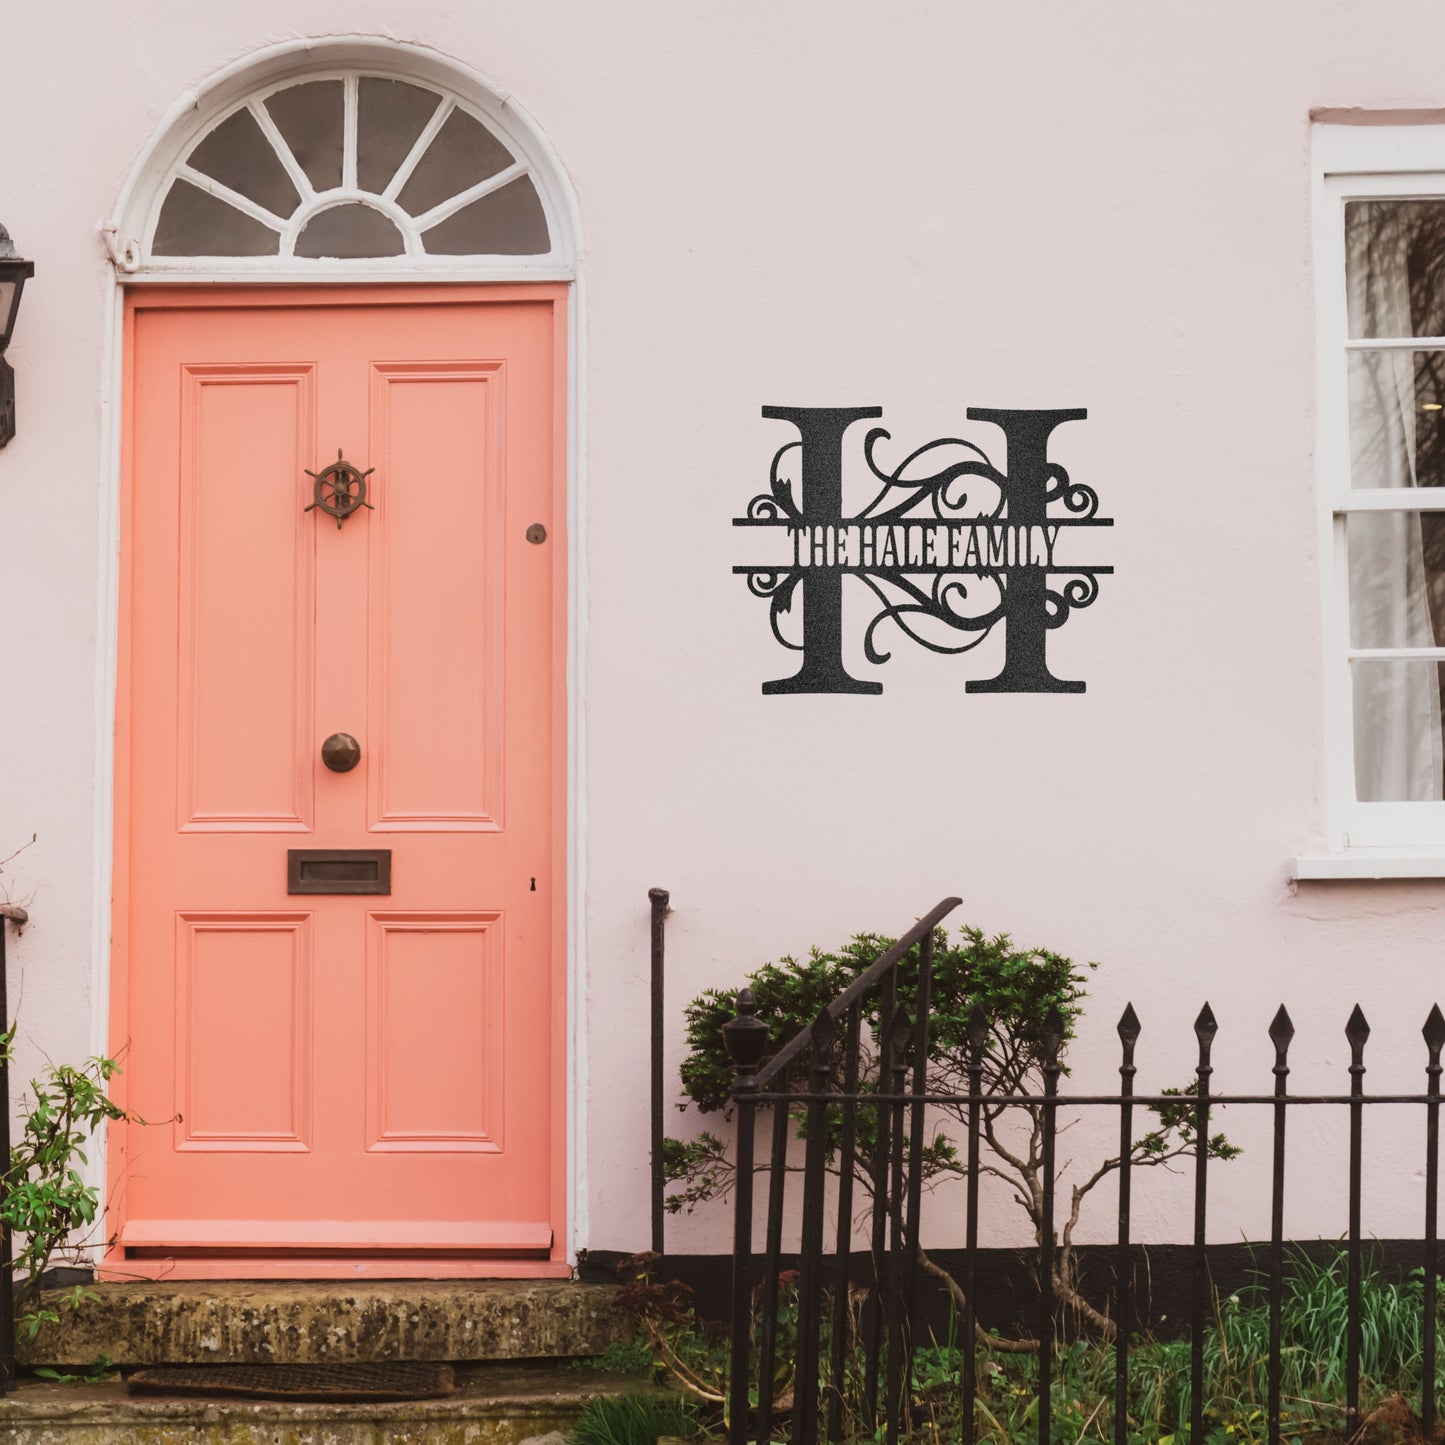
(1081, 501)
(939, 491)
(938, 604)
(776, 504)
(1080, 591)
(780, 587)
(948, 547)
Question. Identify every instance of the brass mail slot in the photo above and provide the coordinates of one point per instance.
(338, 870)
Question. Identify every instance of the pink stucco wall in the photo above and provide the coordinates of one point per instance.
(926, 207)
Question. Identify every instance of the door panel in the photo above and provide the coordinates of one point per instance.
(434, 986)
(238, 765)
(243, 1005)
(341, 1072)
(439, 430)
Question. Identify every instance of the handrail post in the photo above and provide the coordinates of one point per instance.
(660, 898)
(1357, 1031)
(745, 1037)
(1053, 1041)
(810, 1262)
(1434, 1032)
(18, 916)
(1205, 1028)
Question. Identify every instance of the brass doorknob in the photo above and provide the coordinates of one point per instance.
(341, 752)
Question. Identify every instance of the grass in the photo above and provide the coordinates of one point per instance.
(636, 1418)
(1236, 1376)
(1236, 1370)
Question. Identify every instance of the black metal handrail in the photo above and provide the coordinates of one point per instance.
(659, 898)
(746, 1037)
(859, 989)
(898, 1094)
(9, 913)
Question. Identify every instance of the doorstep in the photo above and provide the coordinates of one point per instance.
(315, 1322)
(494, 1405)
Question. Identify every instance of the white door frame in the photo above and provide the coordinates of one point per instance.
(190, 116)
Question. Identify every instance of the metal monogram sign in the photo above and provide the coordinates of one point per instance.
(948, 546)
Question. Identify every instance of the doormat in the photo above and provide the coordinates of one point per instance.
(403, 1380)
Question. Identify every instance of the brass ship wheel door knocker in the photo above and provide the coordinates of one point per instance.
(340, 489)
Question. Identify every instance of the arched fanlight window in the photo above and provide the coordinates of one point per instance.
(348, 168)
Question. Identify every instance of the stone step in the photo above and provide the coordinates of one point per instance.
(494, 1405)
(257, 1323)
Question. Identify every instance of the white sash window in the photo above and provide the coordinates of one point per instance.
(1381, 291)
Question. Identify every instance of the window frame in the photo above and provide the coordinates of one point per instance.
(1362, 162)
(311, 202)
(128, 233)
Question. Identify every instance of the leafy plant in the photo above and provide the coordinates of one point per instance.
(680, 1347)
(102, 1367)
(1017, 991)
(621, 1357)
(47, 1204)
(32, 1320)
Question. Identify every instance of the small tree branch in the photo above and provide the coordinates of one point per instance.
(988, 1341)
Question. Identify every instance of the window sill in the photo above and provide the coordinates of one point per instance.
(1366, 863)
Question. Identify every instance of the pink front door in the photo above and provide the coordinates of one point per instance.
(365, 1077)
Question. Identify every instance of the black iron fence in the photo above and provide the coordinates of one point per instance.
(857, 1081)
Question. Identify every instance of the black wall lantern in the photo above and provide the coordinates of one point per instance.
(13, 274)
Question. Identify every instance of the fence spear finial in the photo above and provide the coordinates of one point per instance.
(1434, 1030)
(1205, 1027)
(977, 1028)
(1281, 1029)
(1357, 1031)
(900, 1034)
(1129, 1028)
(824, 1030)
(824, 1035)
(1053, 1034)
(1281, 1033)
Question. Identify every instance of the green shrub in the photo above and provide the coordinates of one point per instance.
(47, 1204)
(1015, 993)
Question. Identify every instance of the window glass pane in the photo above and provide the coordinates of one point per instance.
(509, 222)
(1397, 731)
(350, 231)
(462, 153)
(1397, 578)
(194, 223)
(390, 115)
(1397, 418)
(238, 155)
(310, 118)
(1395, 267)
